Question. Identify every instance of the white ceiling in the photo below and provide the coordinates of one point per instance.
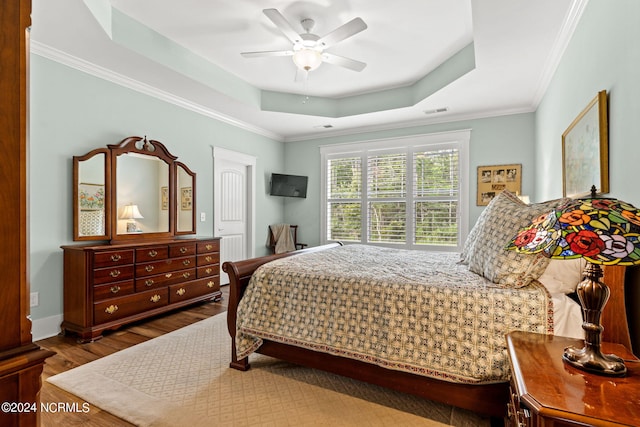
(517, 45)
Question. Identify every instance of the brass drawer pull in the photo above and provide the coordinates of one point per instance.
(149, 268)
(186, 262)
(115, 289)
(208, 258)
(149, 282)
(183, 250)
(186, 275)
(181, 291)
(155, 298)
(209, 247)
(111, 309)
(114, 273)
(210, 284)
(209, 270)
(168, 275)
(116, 257)
(153, 253)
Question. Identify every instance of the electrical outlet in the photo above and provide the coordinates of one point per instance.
(34, 299)
(203, 217)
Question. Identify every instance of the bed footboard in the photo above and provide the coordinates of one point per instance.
(239, 274)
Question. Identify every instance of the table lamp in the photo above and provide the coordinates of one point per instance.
(602, 231)
(131, 213)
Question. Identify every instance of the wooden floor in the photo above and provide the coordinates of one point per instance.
(70, 354)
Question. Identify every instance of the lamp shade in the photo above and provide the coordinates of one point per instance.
(603, 231)
(307, 59)
(131, 212)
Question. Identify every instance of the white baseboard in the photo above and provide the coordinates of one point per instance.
(46, 328)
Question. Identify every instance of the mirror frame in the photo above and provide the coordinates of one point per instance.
(139, 145)
(185, 168)
(107, 194)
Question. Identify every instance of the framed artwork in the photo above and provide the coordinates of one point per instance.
(492, 180)
(585, 151)
(91, 196)
(164, 198)
(186, 198)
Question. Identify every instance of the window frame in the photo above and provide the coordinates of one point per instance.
(409, 145)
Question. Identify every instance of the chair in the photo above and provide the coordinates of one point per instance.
(293, 230)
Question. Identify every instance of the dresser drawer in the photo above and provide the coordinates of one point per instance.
(209, 270)
(164, 279)
(110, 258)
(206, 259)
(182, 249)
(152, 253)
(112, 290)
(117, 308)
(208, 246)
(164, 266)
(193, 289)
(112, 274)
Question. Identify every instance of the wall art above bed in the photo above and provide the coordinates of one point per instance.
(493, 180)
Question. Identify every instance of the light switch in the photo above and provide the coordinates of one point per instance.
(203, 217)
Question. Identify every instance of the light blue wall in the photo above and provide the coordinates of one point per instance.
(604, 54)
(494, 141)
(72, 113)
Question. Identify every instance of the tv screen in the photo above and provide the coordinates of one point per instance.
(288, 185)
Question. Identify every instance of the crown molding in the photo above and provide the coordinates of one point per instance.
(410, 124)
(559, 46)
(76, 63)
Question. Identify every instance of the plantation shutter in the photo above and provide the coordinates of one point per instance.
(344, 197)
(386, 198)
(436, 196)
(410, 192)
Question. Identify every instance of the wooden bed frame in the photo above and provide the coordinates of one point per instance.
(487, 399)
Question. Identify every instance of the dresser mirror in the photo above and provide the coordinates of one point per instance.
(132, 190)
(91, 196)
(185, 188)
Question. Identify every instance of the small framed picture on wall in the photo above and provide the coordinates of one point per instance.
(492, 180)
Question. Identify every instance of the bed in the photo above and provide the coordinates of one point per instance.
(414, 321)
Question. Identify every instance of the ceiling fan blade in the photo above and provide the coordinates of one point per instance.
(347, 30)
(267, 53)
(349, 63)
(282, 24)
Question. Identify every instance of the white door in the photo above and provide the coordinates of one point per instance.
(233, 207)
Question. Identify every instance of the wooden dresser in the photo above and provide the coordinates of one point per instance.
(107, 286)
(547, 392)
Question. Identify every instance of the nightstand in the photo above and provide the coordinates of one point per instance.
(547, 392)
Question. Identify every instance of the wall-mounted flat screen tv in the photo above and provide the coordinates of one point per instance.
(288, 185)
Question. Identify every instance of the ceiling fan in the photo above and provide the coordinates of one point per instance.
(308, 49)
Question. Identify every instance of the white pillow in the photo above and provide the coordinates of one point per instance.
(563, 275)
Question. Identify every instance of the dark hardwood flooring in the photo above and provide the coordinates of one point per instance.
(70, 354)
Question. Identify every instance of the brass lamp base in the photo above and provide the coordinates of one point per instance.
(592, 360)
(593, 295)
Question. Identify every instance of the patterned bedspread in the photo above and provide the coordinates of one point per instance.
(414, 311)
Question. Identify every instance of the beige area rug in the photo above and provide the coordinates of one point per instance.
(183, 379)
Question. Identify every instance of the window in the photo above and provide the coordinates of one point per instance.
(408, 192)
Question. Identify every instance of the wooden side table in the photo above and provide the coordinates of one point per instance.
(545, 391)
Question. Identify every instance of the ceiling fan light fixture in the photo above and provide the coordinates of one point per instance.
(307, 59)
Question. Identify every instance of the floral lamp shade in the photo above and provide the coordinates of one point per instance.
(603, 232)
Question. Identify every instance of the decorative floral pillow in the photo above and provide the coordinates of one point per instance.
(484, 251)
